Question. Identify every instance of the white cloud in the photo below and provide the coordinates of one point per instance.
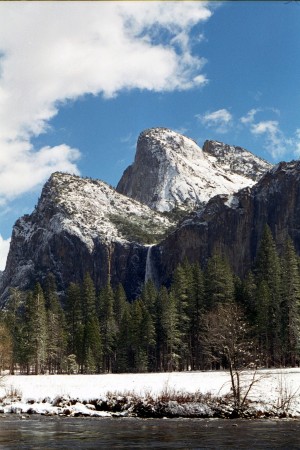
(4, 247)
(51, 52)
(220, 120)
(296, 143)
(273, 139)
(249, 117)
(276, 142)
(265, 127)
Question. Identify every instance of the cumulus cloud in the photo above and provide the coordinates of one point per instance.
(249, 117)
(4, 247)
(220, 120)
(52, 52)
(275, 141)
(297, 143)
(265, 127)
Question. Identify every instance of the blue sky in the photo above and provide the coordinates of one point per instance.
(80, 80)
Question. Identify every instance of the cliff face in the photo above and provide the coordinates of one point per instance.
(83, 225)
(171, 170)
(234, 224)
(79, 226)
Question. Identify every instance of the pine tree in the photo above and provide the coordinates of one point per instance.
(56, 325)
(138, 353)
(249, 289)
(290, 305)
(268, 270)
(170, 329)
(219, 282)
(74, 319)
(35, 329)
(161, 299)
(14, 322)
(120, 302)
(263, 298)
(149, 300)
(196, 310)
(181, 287)
(108, 327)
(123, 351)
(6, 347)
(91, 342)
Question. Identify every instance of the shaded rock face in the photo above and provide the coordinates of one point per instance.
(83, 225)
(69, 260)
(234, 224)
(79, 226)
(171, 170)
(236, 159)
(66, 256)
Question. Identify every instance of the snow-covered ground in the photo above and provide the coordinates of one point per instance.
(273, 388)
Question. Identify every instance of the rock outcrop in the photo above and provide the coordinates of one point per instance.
(171, 170)
(82, 225)
(234, 224)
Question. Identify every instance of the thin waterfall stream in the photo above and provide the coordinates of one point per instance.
(149, 273)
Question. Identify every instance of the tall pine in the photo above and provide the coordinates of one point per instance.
(290, 306)
(91, 342)
(108, 327)
(268, 272)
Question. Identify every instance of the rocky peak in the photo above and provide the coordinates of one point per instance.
(82, 225)
(170, 170)
(236, 159)
(234, 224)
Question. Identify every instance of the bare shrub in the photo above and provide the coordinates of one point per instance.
(286, 394)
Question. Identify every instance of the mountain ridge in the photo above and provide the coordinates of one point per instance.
(83, 225)
(171, 170)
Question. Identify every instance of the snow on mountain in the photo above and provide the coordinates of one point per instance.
(82, 225)
(91, 209)
(171, 170)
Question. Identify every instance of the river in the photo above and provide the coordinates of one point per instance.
(39, 432)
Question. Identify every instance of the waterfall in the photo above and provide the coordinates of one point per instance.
(149, 276)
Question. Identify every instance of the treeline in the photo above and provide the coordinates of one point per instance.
(195, 324)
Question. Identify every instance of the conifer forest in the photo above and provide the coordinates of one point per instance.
(207, 318)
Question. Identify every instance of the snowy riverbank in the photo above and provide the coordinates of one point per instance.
(276, 393)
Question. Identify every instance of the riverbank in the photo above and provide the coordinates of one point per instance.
(275, 393)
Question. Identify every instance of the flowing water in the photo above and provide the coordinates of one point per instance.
(100, 433)
(149, 276)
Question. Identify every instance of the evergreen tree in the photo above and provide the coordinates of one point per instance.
(74, 319)
(120, 302)
(149, 299)
(148, 338)
(181, 289)
(171, 334)
(91, 342)
(56, 325)
(268, 272)
(138, 361)
(290, 305)
(14, 322)
(219, 282)
(6, 347)
(35, 330)
(161, 300)
(249, 290)
(263, 298)
(196, 311)
(123, 351)
(149, 296)
(108, 327)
